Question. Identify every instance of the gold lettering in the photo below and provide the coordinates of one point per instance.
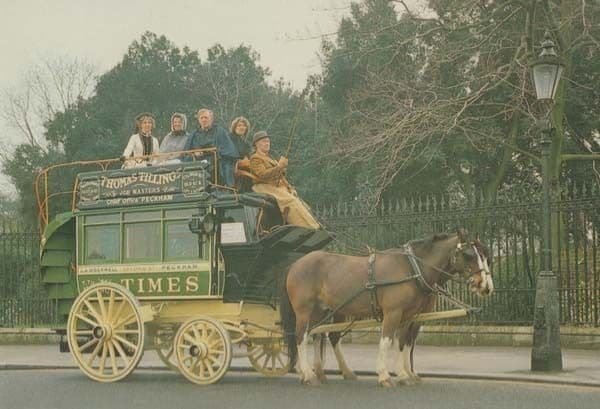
(125, 282)
(140, 285)
(155, 286)
(191, 284)
(173, 284)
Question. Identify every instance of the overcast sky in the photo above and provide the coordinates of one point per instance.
(284, 32)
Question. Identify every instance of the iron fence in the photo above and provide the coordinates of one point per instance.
(510, 228)
(23, 301)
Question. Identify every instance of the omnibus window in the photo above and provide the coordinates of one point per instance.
(180, 242)
(102, 244)
(142, 241)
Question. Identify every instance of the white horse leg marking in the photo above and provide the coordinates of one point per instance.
(308, 375)
(403, 364)
(317, 358)
(347, 373)
(383, 375)
(486, 278)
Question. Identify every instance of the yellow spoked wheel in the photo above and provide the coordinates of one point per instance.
(203, 350)
(270, 359)
(105, 332)
(165, 348)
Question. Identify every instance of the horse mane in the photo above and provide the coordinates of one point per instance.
(428, 242)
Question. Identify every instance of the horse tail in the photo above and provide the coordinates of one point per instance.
(288, 322)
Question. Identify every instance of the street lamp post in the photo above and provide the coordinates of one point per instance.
(546, 353)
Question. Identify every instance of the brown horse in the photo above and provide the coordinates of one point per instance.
(404, 283)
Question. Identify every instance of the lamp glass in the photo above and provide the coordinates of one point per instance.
(546, 78)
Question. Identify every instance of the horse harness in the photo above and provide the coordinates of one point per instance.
(372, 284)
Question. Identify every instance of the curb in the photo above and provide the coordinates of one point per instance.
(433, 375)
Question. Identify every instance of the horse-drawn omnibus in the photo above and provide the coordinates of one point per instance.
(162, 258)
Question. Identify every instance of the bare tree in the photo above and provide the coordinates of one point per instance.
(50, 86)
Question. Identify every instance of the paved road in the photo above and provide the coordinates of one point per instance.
(66, 389)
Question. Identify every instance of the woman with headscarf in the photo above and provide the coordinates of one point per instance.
(141, 144)
(175, 140)
(238, 132)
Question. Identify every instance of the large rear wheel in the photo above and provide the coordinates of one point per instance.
(203, 350)
(105, 332)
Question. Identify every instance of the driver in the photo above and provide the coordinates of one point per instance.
(271, 180)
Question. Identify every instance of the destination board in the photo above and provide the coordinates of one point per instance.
(140, 186)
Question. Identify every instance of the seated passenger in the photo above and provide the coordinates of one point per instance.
(210, 135)
(141, 144)
(239, 136)
(272, 181)
(175, 140)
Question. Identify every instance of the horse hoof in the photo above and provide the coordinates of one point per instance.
(406, 382)
(321, 377)
(350, 376)
(386, 383)
(313, 381)
(416, 379)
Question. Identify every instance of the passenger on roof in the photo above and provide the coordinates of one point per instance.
(209, 135)
(141, 144)
(272, 181)
(175, 140)
(238, 133)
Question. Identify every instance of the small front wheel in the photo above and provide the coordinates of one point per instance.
(203, 350)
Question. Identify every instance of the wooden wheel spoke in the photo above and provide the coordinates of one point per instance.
(88, 344)
(85, 319)
(281, 361)
(111, 306)
(105, 320)
(94, 353)
(126, 331)
(119, 311)
(103, 359)
(201, 368)
(262, 353)
(196, 335)
(215, 343)
(211, 371)
(189, 338)
(214, 360)
(113, 358)
(126, 342)
(121, 352)
(130, 319)
(101, 303)
(273, 363)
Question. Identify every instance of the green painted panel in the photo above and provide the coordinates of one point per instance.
(171, 284)
(64, 307)
(60, 241)
(61, 291)
(56, 258)
(57, 275)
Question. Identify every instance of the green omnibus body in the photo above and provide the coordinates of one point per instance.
(179, 245)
